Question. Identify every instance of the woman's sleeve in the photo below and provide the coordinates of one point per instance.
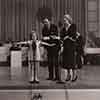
(62, 34)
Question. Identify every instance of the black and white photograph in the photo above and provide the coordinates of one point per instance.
(50, 44)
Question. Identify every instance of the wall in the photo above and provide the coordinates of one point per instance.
(18, 17)
(93, 21)
(92, 16)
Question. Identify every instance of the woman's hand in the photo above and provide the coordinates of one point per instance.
(46, 38)
(61, 50)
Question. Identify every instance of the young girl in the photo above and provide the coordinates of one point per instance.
(34, 57)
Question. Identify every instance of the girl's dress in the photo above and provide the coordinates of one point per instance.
(34, 58)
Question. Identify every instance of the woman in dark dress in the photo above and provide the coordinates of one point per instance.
(68, 34)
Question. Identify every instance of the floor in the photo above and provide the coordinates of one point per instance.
(89, 78)
(50, 95)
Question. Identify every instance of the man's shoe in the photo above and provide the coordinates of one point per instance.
(49, 78)
(60, 82)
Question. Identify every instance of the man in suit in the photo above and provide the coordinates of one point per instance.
(50, 36)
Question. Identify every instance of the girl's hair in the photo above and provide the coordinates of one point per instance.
(68, 17)
(33, 32)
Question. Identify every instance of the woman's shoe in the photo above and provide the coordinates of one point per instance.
(68, 78)
(55, 79)
(74, 79)
(49, 78)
